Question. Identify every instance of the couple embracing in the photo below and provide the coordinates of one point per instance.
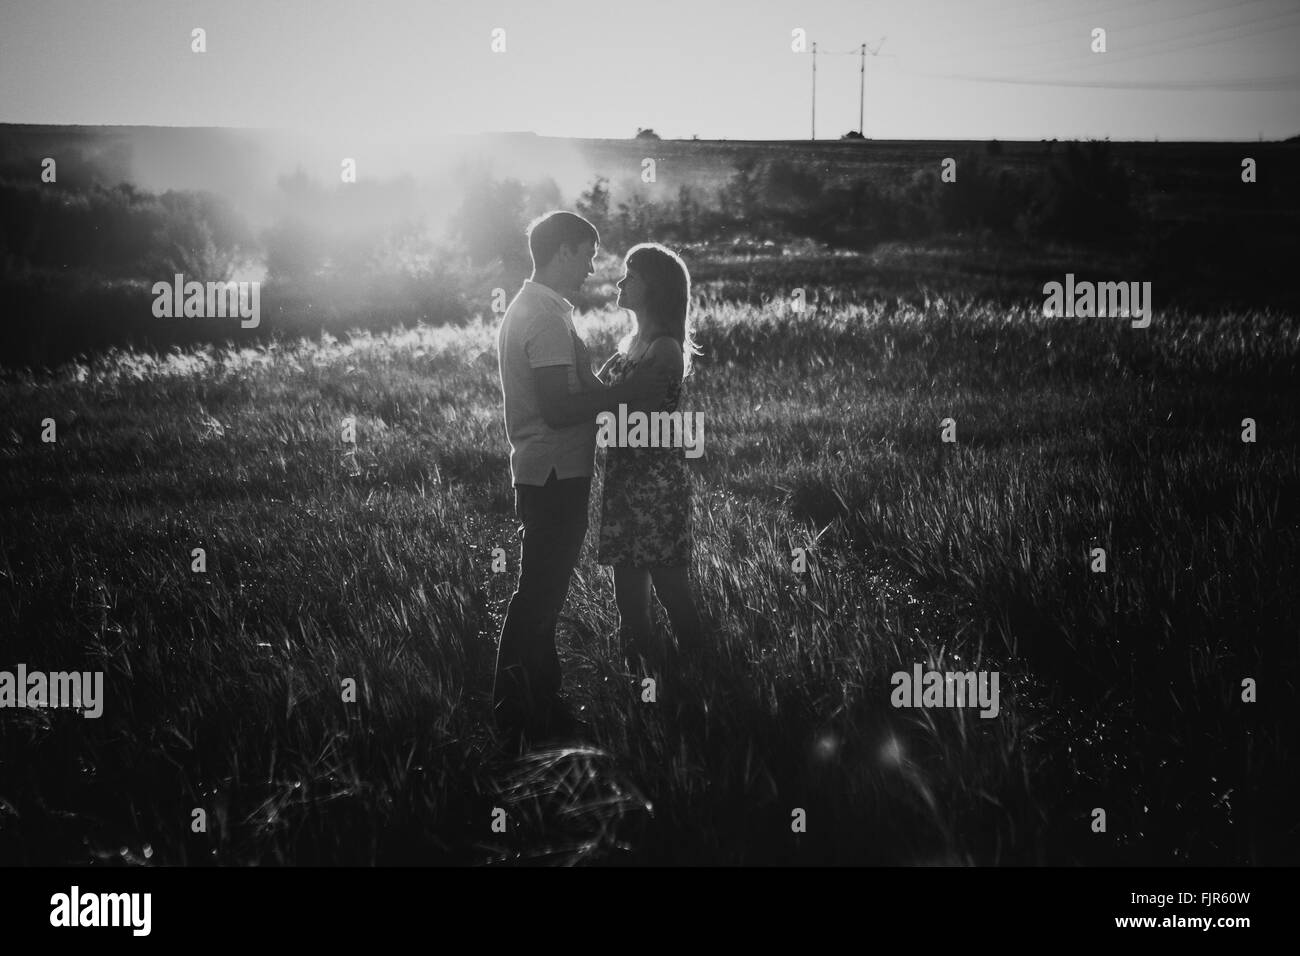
(552, 399)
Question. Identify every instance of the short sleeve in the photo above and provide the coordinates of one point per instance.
(669, 350)
(549, 344)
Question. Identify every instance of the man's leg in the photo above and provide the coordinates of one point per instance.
(553, 525)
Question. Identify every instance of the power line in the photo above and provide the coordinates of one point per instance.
(1176, 45)
(1114, 12)
(1046, 24)
(1148, 49)
(986, 50)
(1267, 84)
(1151, 48)
(861, 51)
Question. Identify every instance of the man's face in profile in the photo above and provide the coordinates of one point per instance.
(580, 262)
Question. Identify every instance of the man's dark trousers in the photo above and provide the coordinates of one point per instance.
(553, 524)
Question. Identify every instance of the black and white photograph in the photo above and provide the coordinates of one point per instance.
(847, 434)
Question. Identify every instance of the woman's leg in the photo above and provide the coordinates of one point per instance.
(632, 595)
(673, 588)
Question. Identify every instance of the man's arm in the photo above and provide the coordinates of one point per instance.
(641, 392)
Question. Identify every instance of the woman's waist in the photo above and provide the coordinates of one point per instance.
(640, 458)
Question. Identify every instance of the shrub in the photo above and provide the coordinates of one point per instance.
(1086, 195)
(490, 222)
(119, 231)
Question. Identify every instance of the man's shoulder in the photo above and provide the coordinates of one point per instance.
(527, 310)
(521, 302)
(519, 312)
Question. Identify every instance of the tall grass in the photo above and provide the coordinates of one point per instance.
(1120, 690)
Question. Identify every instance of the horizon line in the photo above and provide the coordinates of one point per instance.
(633, 139)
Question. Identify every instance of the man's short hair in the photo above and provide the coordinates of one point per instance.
(551, 230)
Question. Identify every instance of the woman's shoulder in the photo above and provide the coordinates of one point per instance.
(668, 349)
(665, 345)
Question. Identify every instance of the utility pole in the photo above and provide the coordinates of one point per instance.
(814, 92)
(862, 84)
(862, 89)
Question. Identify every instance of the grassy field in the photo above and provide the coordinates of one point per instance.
(1120, 690)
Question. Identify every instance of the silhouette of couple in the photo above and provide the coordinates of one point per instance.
(552, 398)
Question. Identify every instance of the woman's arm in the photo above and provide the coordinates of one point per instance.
(648, 383)
(587, 379)
(666, 351)
(604, 368)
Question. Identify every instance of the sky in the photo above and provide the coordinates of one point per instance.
(946, 69)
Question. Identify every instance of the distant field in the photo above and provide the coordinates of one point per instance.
(1121, 690)
(1186, 181)
(1208, 239)
(1182, 165)
(1181, 182)
(846, 221)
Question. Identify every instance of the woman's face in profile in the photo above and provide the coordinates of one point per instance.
(631, 290)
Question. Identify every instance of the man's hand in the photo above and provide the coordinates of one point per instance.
(587, 379)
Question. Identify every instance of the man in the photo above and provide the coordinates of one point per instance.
(551, 400)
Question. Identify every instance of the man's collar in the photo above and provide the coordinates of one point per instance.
(547, 291)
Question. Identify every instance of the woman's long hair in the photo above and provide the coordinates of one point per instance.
(668, 293)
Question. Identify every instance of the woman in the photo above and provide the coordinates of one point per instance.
(645, 526)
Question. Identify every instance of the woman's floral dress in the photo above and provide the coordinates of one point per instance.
(645, 508)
